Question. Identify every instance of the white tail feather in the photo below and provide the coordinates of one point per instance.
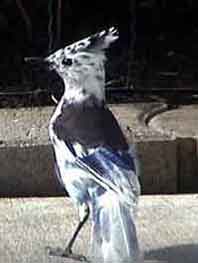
(113, 232)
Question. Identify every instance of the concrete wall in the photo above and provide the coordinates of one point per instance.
(168, 164)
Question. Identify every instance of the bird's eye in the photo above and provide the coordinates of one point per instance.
(67, 62)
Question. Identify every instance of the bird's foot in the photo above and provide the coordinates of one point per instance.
(67, 253)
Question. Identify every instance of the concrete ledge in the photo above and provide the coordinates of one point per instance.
(167, 229)
(28, 171)
(27, 164)
(182, 123)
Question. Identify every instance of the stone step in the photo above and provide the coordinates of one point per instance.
(169, 163)
(167, 228)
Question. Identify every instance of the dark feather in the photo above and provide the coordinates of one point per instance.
(89, 125)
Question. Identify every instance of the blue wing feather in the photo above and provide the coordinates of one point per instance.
(104, 159)
(116, 167)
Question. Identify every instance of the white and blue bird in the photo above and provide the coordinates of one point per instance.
(93, 160)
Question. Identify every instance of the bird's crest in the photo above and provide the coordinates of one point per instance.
(95, 43)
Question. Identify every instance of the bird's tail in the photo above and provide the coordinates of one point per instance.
(114, 236)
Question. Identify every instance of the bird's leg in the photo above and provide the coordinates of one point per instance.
(67, 252)
(84, 215)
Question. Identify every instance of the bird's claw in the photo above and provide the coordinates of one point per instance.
(67, 253)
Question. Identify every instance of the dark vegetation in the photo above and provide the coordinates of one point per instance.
(157, 50)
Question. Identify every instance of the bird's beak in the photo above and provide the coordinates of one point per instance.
(34, 60)
(38, 61)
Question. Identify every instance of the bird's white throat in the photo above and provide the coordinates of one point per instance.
(80, 87)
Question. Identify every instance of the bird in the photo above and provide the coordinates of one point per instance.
(93, 161)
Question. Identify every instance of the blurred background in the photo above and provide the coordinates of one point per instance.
(157, 51)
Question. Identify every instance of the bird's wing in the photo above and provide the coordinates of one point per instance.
(113, 170)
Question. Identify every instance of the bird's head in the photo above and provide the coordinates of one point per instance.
(81, 65)
(83, 55)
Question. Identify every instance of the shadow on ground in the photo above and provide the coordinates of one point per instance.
(176, 254)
